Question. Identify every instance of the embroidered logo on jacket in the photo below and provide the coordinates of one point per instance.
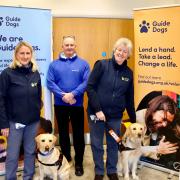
(75, 70)
(124, 78)
(34, 84)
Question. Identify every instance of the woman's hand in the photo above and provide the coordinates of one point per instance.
(166, 147)
(100, 115)
(5, 132)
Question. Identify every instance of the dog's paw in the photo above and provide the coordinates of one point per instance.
(135, 177)
(120, 174)
(36, 177)
(126, 178)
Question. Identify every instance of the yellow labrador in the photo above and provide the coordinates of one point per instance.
(51, 161)
(131, 150)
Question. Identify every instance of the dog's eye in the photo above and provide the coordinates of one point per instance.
(141, 128)
(43, 140)
(50, 140)
(134, 128)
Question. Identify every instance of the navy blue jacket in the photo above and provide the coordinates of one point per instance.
(20, 96)
(110, 89)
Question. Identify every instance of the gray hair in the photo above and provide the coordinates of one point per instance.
(126, 42)
(69, 36)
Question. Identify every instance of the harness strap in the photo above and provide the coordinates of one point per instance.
(57, 163)
(121, 147)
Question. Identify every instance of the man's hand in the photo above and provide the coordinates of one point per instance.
(100, 115)
(69, 98)
(73, 101)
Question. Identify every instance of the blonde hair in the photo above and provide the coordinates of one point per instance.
(126, 42)
(15, 63)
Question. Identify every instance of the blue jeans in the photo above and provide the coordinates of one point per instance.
(97, 130)
(15, 139)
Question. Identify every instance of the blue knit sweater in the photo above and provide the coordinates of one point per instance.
(68, 75)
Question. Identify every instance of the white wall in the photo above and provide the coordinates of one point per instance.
(89, 8)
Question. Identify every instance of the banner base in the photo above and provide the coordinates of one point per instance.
(169, 171)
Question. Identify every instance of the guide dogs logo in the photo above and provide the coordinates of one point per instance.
(144, 26)
(10, 21)
(1, 21)
(157, 26)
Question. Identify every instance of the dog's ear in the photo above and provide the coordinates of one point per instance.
(126, 134)
(146, 138)
(144, 131)
(37, 138)
(54, 139)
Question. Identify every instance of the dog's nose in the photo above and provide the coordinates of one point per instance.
(47, 148)
(139, 135)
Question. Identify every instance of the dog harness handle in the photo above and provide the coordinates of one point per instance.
(115, 136)
(121, 147)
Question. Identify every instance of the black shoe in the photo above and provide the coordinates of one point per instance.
(113, 176)
(98, 177)
(79, 170)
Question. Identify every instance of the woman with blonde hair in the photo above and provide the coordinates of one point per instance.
(20, 102)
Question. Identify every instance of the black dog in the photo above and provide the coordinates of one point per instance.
(45, 126)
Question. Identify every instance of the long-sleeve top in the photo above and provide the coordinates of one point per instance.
(110, 89)
(20, 96)
(67, 75)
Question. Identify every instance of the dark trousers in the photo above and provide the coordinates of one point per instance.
(65, 114)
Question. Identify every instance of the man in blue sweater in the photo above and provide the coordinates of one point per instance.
(67, 79)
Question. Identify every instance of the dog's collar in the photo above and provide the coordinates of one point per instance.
(57, 163)
(46, 154)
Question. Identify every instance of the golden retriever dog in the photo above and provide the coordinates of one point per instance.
(130, 150)
(51, 161)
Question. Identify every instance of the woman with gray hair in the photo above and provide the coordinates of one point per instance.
(110, 91)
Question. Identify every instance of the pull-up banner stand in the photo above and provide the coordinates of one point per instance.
(157, 73)
(33, 26)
